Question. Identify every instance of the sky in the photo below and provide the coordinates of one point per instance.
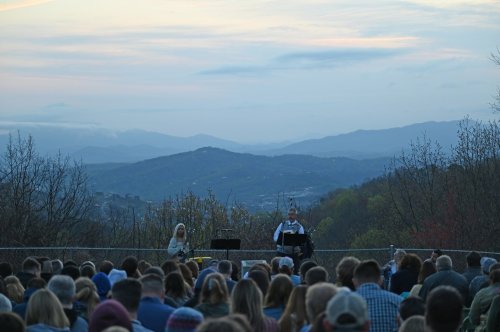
(251, 71)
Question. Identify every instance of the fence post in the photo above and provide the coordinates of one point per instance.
(391, 252)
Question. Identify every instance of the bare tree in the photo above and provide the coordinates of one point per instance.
(42, 200)
(474, 183)
(496, 59)
(417, 185)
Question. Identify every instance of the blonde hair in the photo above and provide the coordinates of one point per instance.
(15, 290)
(246, 299)
(184, 237)
(214, 289)
(44, 307)
(86, 292)
(295, 310)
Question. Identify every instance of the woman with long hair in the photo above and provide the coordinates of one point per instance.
(426, 270)
(194, 268)
(87, 297)
(277, 296)
(261, 279)
(214, 297)
(188, 276)
(178, 246)
(170, 265)
(294, 316)
(407, 275)
(175, 289)
(246, 299)
(15, 290)
(45, 313)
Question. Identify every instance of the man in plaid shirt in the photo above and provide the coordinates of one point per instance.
(383, 306)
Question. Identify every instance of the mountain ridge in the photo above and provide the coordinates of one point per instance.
(390, 141)
(101, 146)
(253, 179)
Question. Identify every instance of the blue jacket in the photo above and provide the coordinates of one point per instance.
(77, 323)
(45, 328)
(137, 326)
(153, 314)
(20, 308)
(274, 312)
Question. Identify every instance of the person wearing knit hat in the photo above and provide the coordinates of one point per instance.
(89, 263)
(5, 304)
(486, 262)
(184, 320)
(109, 313)
(481, 281)
(116, 275)
(102, 284)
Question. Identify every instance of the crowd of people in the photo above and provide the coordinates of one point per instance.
(407, 294)
(51, 295)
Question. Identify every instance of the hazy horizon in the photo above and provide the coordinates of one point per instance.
(22, 126)
(249, 72)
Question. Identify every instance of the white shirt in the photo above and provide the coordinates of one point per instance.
(287, 223)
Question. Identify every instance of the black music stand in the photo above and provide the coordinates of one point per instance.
(225, 244)
(291, 239)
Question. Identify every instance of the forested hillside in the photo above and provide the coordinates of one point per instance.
(427, 199)
(255, 181)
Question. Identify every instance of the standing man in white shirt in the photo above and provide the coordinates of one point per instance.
(290, 226)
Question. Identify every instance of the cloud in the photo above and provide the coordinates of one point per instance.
(332, 57)
(308, 60)
(22, 4)
(238, 70)
(7, 126)
(375, 42)
(98, 53)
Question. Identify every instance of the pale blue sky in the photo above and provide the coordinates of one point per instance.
(247, 70)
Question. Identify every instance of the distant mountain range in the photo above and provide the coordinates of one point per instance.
(257, 181)
(156, 166)
(364, 144)
(103, 146)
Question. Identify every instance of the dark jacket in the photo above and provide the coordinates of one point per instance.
(472, 272)
(213, 310)
(403, 281)
(446, 277)
(24, 277)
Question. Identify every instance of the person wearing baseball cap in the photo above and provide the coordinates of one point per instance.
(286, 265)
(346, 311)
